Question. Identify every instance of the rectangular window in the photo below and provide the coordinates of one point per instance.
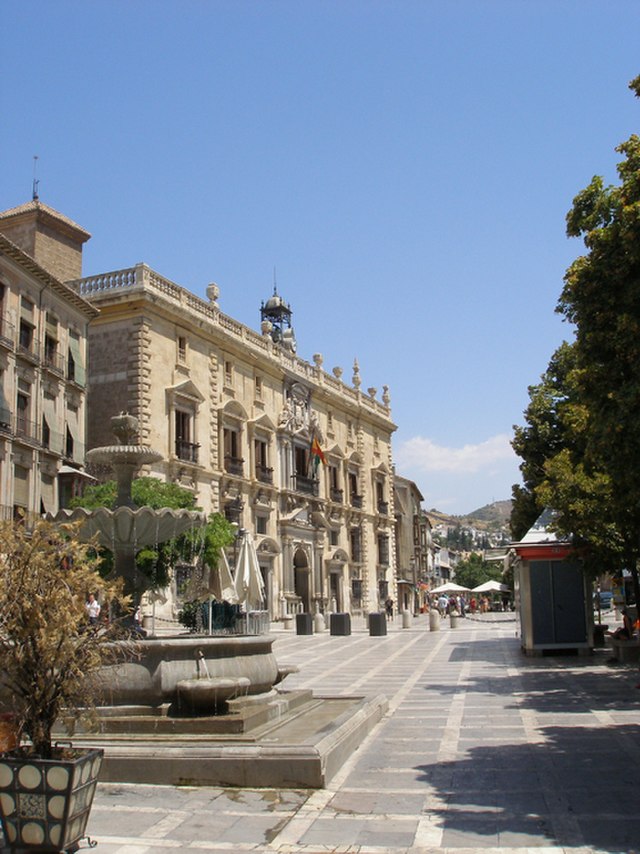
(334, 537)
(50, 349)
(354, 496)
(69, 444)
(75, 370)
(182, 348)
(186, 448)
(233, 462)
(25, 337)
(258, 388)
(263, 472)
(261, 524)
(383, 549)
(23, 409)
(228, 373)
(335, 493)
(356, 544)
(302, 461)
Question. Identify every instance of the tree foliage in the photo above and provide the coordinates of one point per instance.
(581, 445)
(474, 570)
(156, 563)
(49, 656)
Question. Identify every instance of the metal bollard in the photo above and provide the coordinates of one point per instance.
(434, 620)
(406, 619)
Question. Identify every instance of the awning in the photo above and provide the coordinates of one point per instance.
(405, 581)
(47, 493)
(75, 472)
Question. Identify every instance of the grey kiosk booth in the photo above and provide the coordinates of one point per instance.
(552, 595)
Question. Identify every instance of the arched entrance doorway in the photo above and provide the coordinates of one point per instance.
(301, 575)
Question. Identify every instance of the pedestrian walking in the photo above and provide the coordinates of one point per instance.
(93, 610)
(388, 607)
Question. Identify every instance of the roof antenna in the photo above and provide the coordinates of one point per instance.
(36, 181)
(274, 280)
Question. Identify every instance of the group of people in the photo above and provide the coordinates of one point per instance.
(93, 610)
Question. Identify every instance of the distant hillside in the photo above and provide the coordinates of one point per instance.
(491, 517)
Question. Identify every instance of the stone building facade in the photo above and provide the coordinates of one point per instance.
(43, 358)
(414, 550)
(237, 416)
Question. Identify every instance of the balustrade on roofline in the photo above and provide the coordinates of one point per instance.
(144, 278)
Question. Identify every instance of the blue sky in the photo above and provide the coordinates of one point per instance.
(406, 167)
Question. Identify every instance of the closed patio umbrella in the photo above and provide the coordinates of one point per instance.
(248, 583)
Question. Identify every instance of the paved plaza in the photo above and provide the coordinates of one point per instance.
(482, 749)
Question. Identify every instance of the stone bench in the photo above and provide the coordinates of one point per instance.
(626, 651)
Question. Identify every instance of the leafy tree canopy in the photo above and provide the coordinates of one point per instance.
(581, 445)
(474, 570)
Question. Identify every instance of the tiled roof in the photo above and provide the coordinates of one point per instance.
(38, 207)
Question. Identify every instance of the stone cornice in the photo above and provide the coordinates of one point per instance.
(23, 260)
(119, 287)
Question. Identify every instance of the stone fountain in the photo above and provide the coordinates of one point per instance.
(127, 528)
(202, 709)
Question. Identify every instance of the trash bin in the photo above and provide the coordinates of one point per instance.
(453, 619)
(304, 624)
(598, 634)
(340, 624)
(406, 619)
(434, 620)
(377, 624)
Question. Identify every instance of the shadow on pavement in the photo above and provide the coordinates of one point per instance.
(576, 788)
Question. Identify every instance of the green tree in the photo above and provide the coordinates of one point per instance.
(474, 570)
(549, 423)
(157, 563)
(590, 474)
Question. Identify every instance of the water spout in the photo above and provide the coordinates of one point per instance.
(201, 661)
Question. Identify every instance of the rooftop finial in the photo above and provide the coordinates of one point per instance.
(36, 181)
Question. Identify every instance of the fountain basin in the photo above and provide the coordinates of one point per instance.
(210, 695)
(152, 678)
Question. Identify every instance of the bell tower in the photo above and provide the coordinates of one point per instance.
(275, 314)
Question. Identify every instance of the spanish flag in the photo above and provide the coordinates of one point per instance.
(317, 456)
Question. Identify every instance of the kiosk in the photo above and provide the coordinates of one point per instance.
(553, 596)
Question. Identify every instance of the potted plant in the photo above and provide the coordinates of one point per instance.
(49, 660)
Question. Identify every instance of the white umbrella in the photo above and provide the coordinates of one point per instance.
(491, 587)
(249, 586)
(218, 581)
(450, 587)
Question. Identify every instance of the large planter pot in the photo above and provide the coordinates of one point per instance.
(45, 803)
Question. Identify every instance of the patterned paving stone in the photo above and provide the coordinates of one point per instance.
(483, 749)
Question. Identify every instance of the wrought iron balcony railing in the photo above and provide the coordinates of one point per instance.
(234, 465)
(308, 485)
(187, 451)
(264, 474)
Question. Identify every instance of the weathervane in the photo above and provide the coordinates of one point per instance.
(36, 181)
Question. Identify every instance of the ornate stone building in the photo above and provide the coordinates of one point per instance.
(43, 334)
(292, 453)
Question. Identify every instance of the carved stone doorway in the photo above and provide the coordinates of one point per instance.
(301, 575)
